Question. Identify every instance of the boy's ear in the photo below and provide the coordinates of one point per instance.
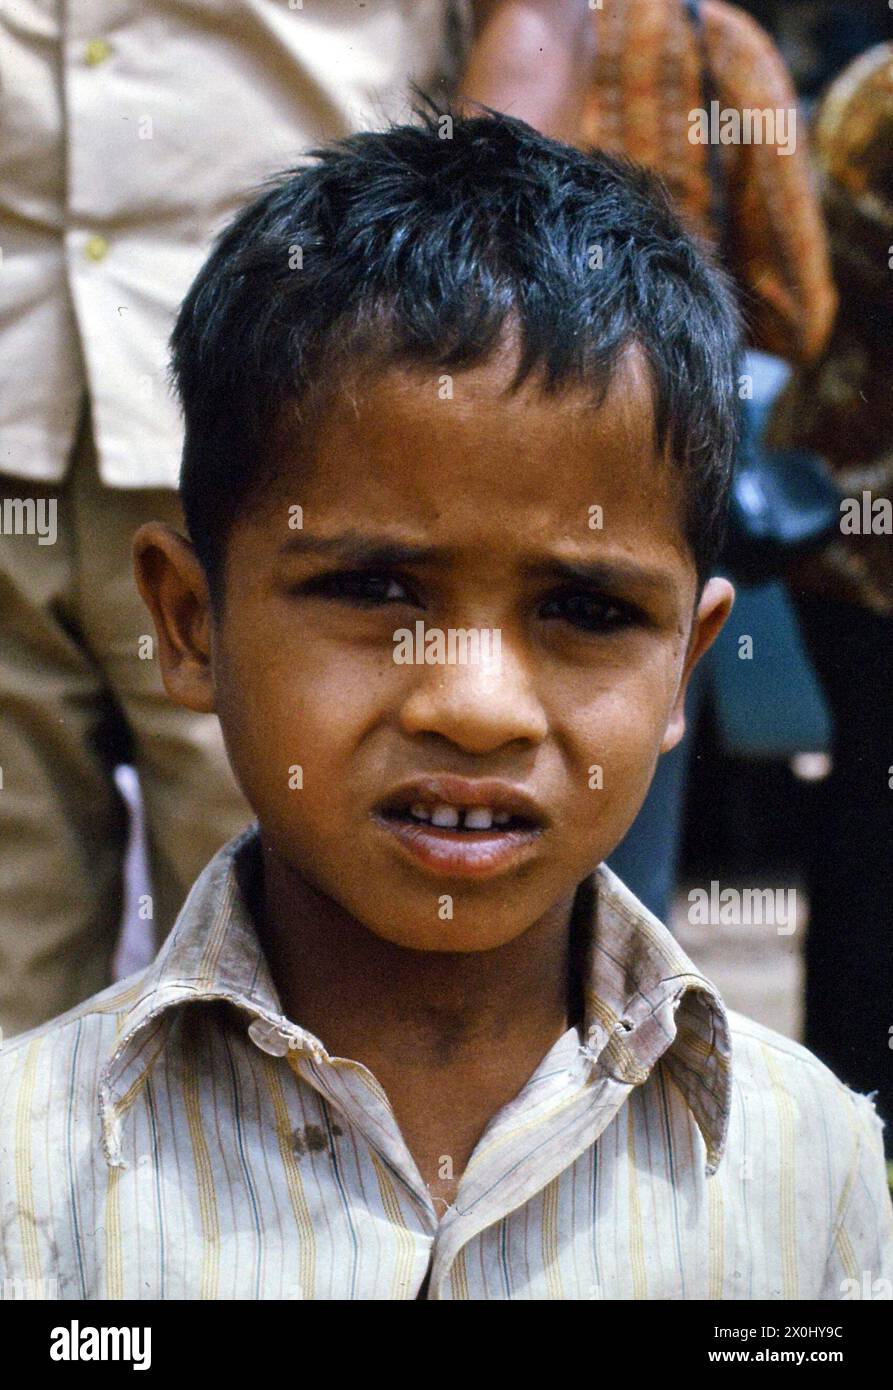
(713, 609)
(174, 589)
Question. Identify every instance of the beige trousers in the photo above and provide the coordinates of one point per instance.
(80, 693)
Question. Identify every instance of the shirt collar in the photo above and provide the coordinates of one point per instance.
(644, 999)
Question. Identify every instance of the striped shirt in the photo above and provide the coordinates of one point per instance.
(177, 1137)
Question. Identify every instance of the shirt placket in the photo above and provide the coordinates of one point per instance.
(529, 1144)
(559, 1113)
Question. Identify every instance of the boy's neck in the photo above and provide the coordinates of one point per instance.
(369, 999)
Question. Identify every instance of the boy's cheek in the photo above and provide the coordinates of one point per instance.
(613, 769)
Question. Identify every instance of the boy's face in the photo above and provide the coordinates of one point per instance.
(473, 512)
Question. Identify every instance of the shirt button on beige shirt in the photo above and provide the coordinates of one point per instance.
(132, 131)
(97, 51)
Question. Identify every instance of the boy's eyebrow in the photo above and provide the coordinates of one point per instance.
(352, 547)
(607, 574)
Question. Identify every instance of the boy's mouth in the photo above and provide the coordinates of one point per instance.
(456, 827)
(446, 817)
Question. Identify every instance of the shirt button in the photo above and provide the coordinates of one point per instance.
(96, 52)
(96, 248)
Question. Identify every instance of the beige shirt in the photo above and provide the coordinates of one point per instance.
(178, 1137)
(132, 131)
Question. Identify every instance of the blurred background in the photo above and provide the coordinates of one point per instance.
(785, 781)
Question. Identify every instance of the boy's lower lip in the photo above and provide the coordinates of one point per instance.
(460, 853)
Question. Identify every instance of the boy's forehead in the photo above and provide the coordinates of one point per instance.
(433, 446)
(428, 423)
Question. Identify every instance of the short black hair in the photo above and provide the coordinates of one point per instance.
(423, 246)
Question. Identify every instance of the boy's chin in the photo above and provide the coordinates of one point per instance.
(454, 917)
(462, 941)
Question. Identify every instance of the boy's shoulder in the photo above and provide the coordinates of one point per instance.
(753, 1041)
(802, 1085)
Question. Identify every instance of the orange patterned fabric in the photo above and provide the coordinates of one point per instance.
(646, 83)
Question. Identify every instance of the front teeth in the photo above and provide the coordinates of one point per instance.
(450, 817)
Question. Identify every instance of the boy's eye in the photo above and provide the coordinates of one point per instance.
(362, 587)
(589, 612)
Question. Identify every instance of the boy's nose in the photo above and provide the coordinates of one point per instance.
(478, 706)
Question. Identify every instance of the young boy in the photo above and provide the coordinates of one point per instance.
(459, 423)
